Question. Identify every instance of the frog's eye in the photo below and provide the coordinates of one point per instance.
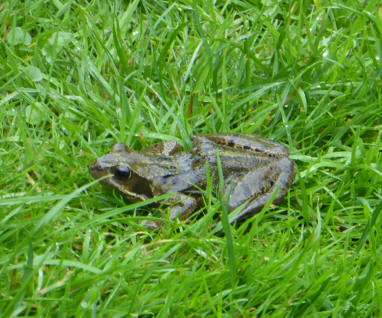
(122, 172)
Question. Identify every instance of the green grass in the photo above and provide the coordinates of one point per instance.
(77, 77)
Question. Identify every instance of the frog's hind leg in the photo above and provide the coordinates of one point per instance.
(259, 185)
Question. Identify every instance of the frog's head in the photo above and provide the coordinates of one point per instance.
(126, 173)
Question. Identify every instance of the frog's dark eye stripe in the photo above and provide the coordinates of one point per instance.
(122, 172)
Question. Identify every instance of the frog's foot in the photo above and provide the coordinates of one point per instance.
(183, 206)
(152, 225)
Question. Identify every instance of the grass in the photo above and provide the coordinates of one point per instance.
(77, 77)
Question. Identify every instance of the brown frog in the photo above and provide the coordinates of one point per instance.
(253, 168)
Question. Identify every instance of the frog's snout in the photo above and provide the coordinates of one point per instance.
(99, 169)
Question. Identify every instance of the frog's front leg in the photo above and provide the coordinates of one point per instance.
(258, 186)
(183, 206)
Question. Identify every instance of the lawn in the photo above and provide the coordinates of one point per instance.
(79, 76)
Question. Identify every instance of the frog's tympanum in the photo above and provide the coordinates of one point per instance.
(253, 168)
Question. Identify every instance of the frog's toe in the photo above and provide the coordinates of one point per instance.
(152, 225)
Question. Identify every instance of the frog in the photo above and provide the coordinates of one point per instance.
(255, 169)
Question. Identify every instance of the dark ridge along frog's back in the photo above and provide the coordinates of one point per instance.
(253, 167)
